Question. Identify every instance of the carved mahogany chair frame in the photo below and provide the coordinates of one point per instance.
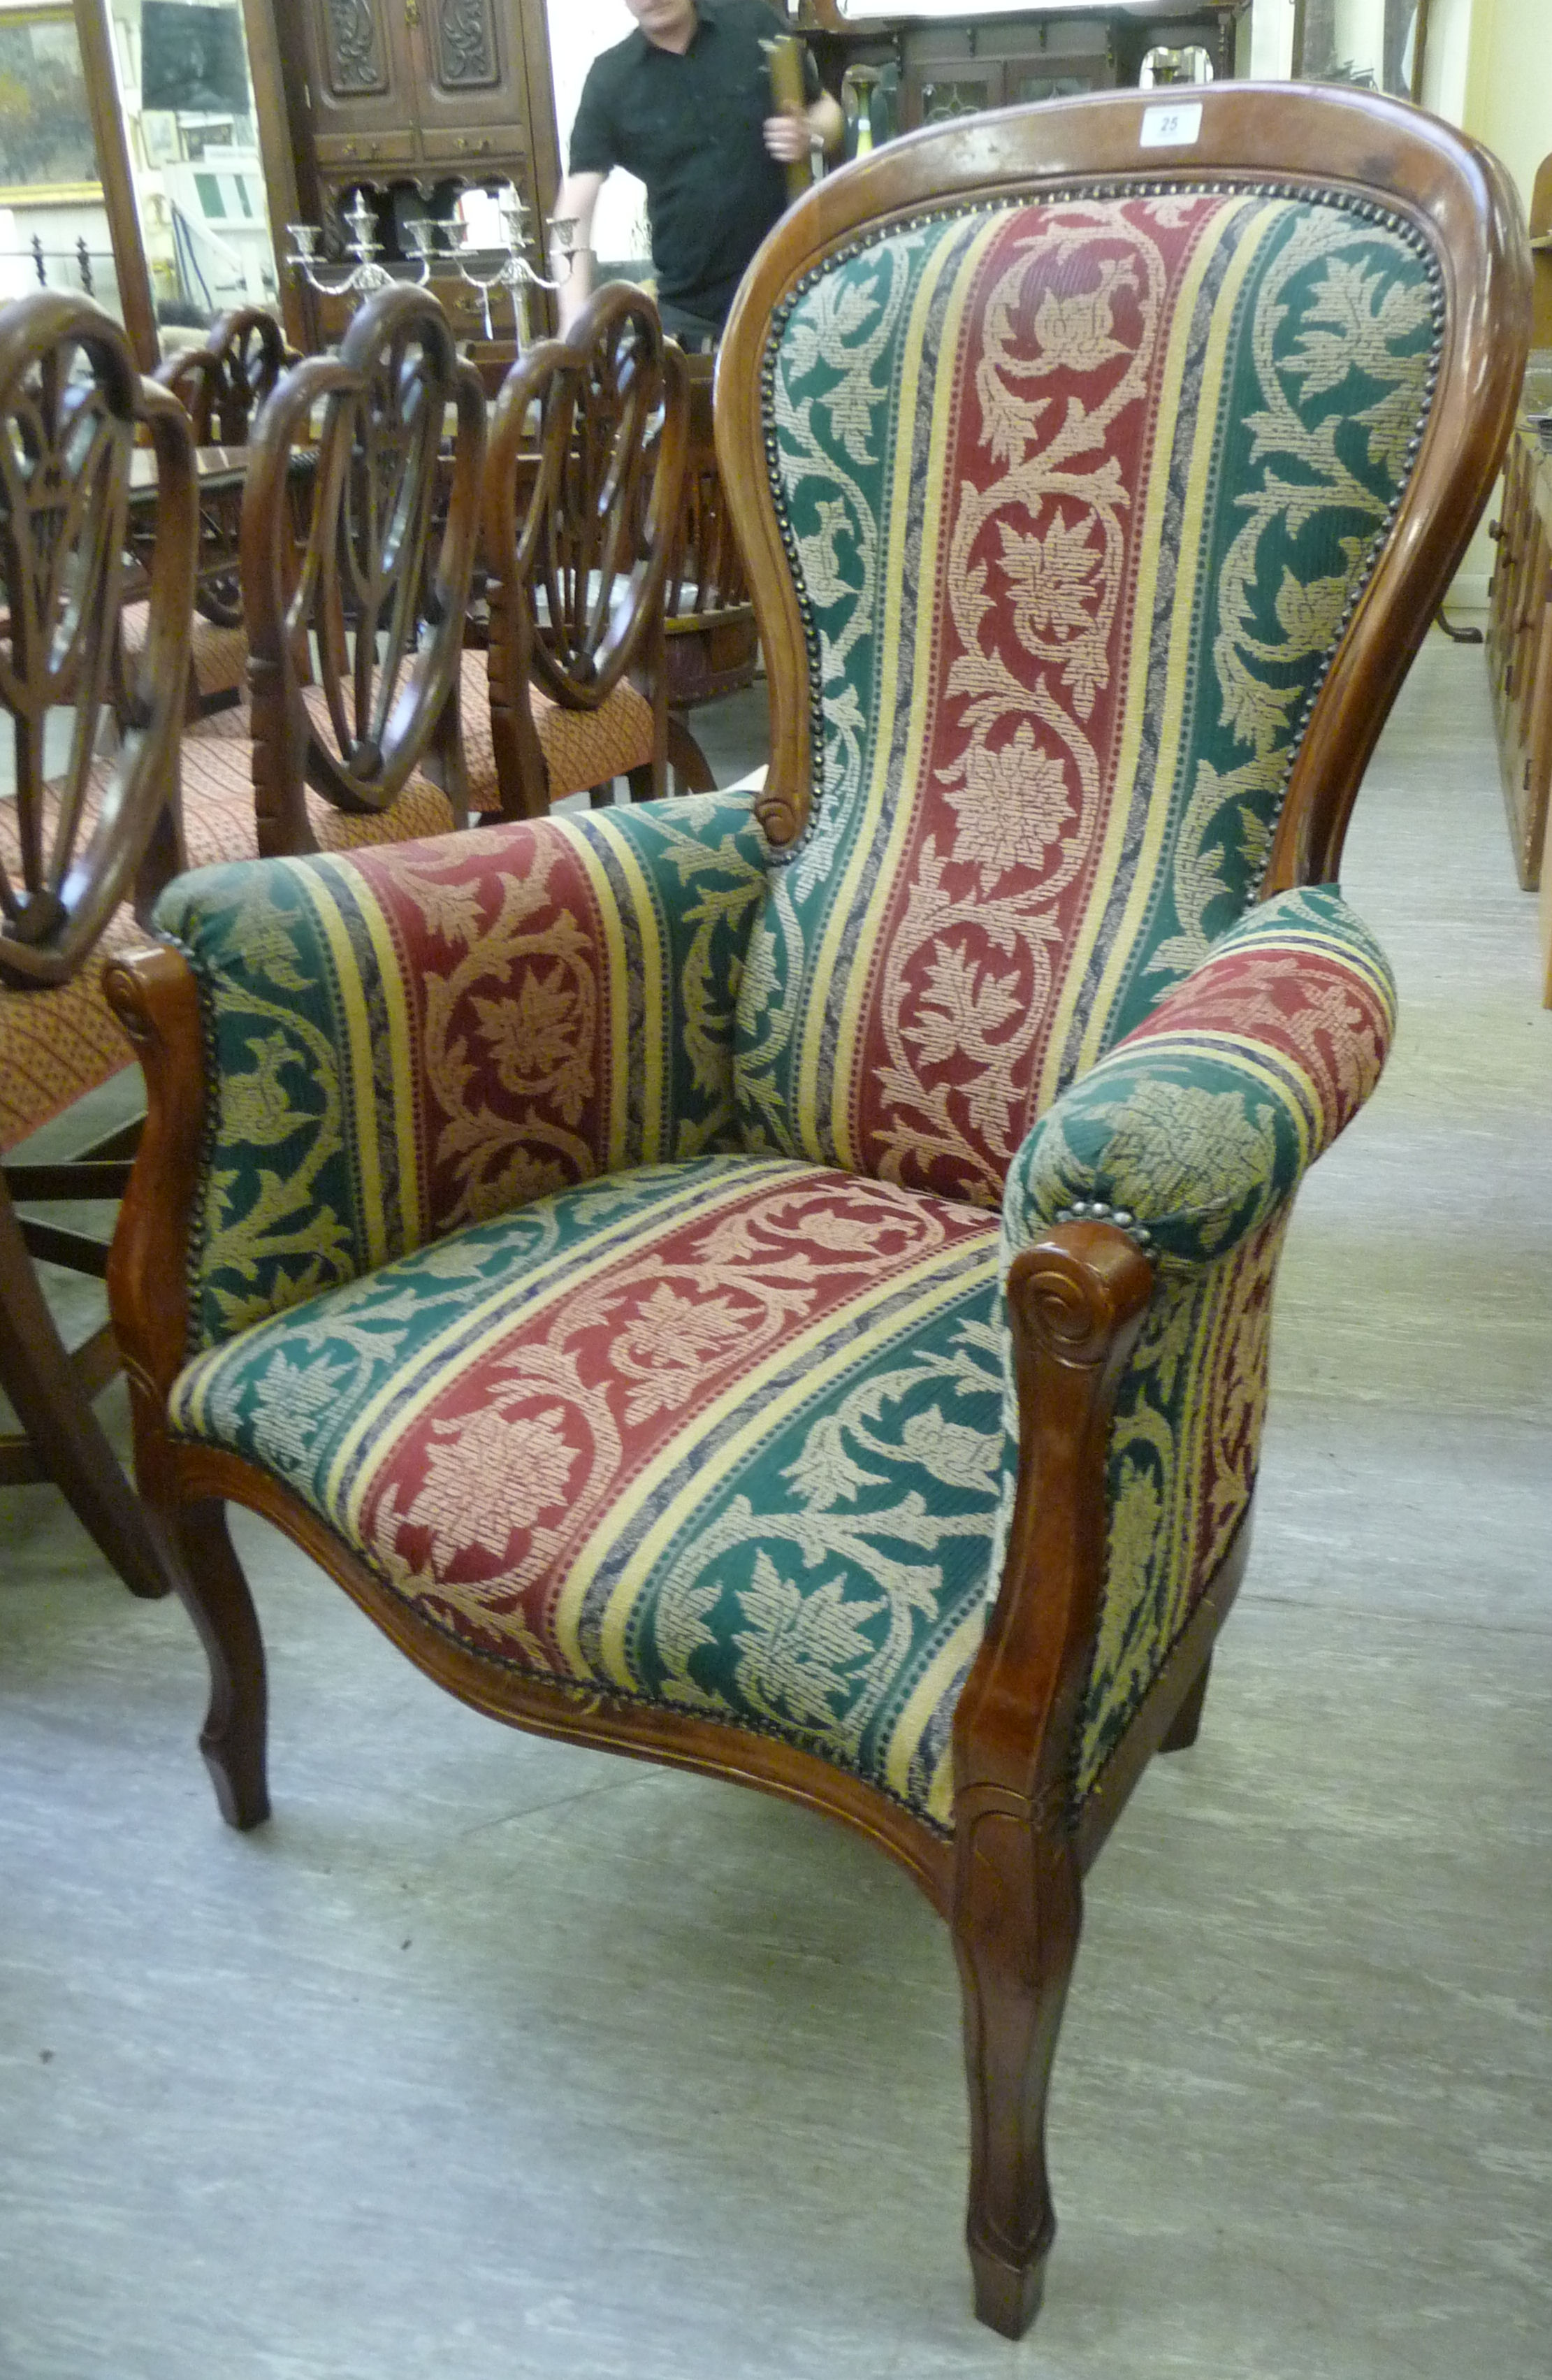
(221, 386)
(579, 526)
(711, 646)
(371, 607)
(71, 408)
(1008, 1880)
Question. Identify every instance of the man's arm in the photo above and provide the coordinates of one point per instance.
(820, 125)
(575, 202)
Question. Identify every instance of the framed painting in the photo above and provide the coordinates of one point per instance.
(46, 147)
(1377, 45)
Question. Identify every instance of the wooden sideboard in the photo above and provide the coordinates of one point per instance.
(1520, 648)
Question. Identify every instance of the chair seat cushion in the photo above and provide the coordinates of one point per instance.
(218, 815)
(582, 748)
(217, 655)
(723, 1436)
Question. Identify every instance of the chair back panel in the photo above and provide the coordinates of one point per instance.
(586, 464)
(372, 593)
(1078, 494)
(71, 408)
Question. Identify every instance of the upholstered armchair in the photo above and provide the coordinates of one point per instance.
(784, 1290)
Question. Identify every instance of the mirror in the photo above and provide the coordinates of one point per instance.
(186, 99)
(54, 224)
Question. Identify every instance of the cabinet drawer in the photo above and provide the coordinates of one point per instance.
(499, 144)
(336, 148)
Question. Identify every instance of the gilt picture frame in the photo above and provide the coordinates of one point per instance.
(47, 148)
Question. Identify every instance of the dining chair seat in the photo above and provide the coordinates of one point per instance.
(217, 655)
(582, 748)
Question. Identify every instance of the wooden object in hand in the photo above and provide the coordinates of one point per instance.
(578, 541)
(370, 600)
(85, 840)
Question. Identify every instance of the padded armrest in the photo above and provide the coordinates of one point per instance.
(1193, 1134)
(423, 1035)
(1198, 1126)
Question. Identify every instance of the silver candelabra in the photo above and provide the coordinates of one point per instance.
(485, 269)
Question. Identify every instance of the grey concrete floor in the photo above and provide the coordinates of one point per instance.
(490, 2057)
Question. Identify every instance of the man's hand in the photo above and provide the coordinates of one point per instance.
(789, 137)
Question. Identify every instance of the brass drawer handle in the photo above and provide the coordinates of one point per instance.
(464, 147)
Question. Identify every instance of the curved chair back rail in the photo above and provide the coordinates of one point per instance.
(372, 599)
(1392, 163)
(71, 404)
(222, 384)
(787, 1291)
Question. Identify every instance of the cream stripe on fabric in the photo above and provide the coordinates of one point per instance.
(401, 1040)
(607, 909)
(1095, 909)
(1188, 601)
(941, 375)
(936, 1282)
(315, 890)
(930, 1688)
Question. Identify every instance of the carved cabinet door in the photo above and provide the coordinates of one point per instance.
(360, 79)
(467, 69)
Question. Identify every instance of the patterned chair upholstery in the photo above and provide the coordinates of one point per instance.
(785, 1288)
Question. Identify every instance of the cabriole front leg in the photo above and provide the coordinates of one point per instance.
(1076, 1305)
(216, 1595)
(1016, 1916)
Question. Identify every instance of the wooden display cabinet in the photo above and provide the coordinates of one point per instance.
(412, 101)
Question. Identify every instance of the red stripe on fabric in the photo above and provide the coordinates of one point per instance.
(1299, 1005)
(1032, 624)
(503, 960)
(503, 1473)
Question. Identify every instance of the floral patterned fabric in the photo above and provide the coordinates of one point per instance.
(1195, 1131)
(721, 1435)
(427, 1033)
(596, 1222)
(1078, 495)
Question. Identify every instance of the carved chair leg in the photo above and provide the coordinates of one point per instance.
(216, 1595)
(692, 771)
(1018, 1909)
(1188, 1719)
(642, 784)
(51, 1405)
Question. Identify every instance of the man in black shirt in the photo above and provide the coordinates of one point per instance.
(684, 103)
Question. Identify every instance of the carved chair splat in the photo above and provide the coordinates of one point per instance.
(356, 628)
(579, 520)
(80, 844)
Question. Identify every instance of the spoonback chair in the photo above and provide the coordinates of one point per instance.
(581, 502)
(356, 620)
(786, 1292)
(79, 837)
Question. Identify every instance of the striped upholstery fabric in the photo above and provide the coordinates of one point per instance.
(598, 1228)
(424, 1036)
(218, 795)
(719, 1434)
(1197, 1129)
(1078, 497)
(582, 748)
